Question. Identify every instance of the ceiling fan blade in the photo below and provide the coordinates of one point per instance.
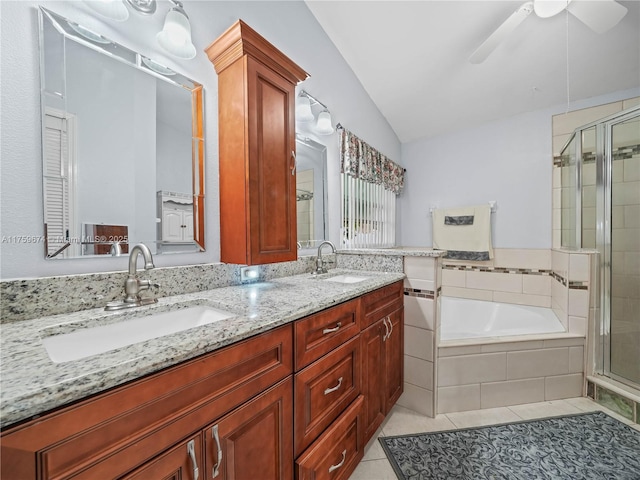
(600, 15)
(502, 32)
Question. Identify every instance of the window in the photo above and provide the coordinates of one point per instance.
(368, 214)
(370, 183)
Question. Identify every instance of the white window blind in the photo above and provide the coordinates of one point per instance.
(368, 214)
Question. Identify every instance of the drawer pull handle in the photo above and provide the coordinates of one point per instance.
(333, 389)
(387, 332)
(191, 449)
(390, 325)
(337, 466)
(331, 330)
(216, 467)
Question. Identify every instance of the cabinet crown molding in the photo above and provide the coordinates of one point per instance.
(239, 40)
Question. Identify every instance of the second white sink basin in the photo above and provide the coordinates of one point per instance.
(85, 342)
(346, 279)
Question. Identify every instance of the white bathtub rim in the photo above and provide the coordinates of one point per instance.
(466, 342)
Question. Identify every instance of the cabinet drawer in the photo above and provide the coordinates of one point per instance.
(381, 303)
(336, 454)
(323, 390)
(114, 432)
(321, 333)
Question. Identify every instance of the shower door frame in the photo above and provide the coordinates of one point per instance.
(604, 191)
(604, 187)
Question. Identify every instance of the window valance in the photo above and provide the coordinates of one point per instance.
(360, 160)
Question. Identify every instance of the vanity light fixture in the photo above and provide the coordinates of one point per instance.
(303, 109)
(304, 113)
(113, 9)
(175, 36)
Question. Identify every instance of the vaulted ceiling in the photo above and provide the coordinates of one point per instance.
(412, 59)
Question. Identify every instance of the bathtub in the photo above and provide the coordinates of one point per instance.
(462, 318)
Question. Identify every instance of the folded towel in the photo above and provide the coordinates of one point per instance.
(464, 232)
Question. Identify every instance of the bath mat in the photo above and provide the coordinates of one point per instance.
(583, 446)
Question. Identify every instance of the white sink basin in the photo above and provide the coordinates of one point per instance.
(346, 279)
(86, 342)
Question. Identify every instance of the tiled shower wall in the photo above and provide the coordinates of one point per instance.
(562, 127)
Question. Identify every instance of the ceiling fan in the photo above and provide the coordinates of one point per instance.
(599, 15)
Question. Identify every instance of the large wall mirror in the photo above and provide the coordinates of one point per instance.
(311, 193)
(123, 147)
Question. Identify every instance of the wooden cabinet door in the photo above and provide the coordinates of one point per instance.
(373, 370)
(183, 462)
(254, 441)
(272, 179)
(394, 359)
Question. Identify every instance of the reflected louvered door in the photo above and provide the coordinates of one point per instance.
(56, 182)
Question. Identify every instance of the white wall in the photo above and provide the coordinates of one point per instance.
(288, 25)
(509, 160)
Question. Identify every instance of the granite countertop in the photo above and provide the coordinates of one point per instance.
(30, 383)
(395, 251)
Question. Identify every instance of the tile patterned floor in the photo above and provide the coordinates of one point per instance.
(375, 466)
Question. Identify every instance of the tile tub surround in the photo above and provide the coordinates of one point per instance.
(31, 384)
(34, 298)
(496, 373)
(421, 289)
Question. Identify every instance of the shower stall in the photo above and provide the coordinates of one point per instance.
(601, 210)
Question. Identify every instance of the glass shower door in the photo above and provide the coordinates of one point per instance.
(623, 156)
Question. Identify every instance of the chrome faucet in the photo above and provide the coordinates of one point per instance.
(133, 285)
(321, 264)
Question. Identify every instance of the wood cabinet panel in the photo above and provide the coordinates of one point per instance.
(256, 112)
(322, 332)
(394, 359)
(183, 462)
(381, 302)
(255, 441)
(338, 450)
(323, 390)
(373, 368)
(116, 431)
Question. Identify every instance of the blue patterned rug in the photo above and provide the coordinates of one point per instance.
(585, 446)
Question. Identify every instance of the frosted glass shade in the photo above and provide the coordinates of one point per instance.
(175, 37)
(113, 9)
(303, 110)
(324, 127)
(549, 8)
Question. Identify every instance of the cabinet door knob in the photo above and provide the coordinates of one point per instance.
(338, 465)
(295, 162)
(216, 467)
(191, 449)
(331, 330)
(333, 389)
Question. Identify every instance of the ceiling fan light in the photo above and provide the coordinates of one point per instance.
(324, 127)
(175, 37)
(303, 110)
(113, 9)
(549, 8)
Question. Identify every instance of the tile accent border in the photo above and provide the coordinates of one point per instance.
(480, 268)
(416, 292)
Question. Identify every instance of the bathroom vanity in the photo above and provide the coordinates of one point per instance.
(296, 390)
